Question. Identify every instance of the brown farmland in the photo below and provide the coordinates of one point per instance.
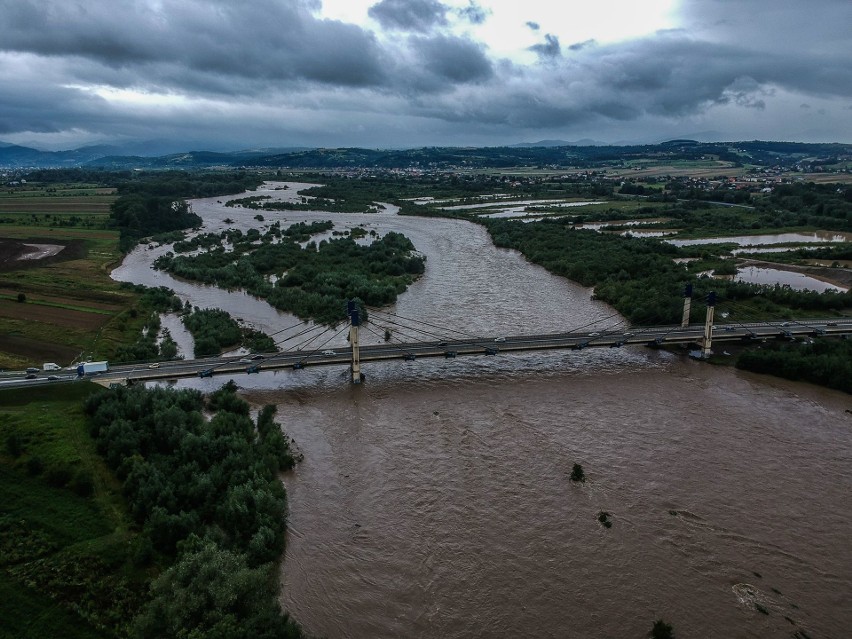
(52, 315)
(97, 204)
(37, 351)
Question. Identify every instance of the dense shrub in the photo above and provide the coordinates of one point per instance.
(206, 493)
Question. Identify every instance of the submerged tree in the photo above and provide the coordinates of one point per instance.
(662, 630)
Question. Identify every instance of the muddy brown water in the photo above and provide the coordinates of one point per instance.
(434, 499)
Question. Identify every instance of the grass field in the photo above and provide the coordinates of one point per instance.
(64, 536)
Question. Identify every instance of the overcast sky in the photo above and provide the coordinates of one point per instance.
(228, 74)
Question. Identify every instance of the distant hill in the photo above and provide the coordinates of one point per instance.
(546, 153)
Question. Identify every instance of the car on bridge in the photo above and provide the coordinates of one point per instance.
(329, 353)
(500, 339)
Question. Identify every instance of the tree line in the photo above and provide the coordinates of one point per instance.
(153, 203)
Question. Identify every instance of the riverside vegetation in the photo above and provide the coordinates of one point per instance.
(138, 516)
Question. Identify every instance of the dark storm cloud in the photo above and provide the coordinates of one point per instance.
(275, 65)
(549, 48)
(32, 108)
(453, 59)
(410, 15)
(669, 77)
(255, 39)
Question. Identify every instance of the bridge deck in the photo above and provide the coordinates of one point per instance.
(651, 336)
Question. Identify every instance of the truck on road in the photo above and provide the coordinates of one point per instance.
(90, 368)
(50, 366)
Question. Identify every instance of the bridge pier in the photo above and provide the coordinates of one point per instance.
(354, 323)
(708, 325)
(687, 305)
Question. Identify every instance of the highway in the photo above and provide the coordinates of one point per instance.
(487, 346)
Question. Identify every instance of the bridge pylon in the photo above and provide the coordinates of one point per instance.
(354, 323)
(708, 325)
(687, 305)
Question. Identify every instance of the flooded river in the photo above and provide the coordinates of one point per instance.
(434, 499)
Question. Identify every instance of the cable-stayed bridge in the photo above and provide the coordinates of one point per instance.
(354, 355)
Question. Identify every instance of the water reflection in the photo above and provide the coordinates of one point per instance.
(771, 276)
(780, 238)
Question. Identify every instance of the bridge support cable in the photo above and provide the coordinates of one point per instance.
(333, 336)
(474, 339)
(287, 328)
(303, 345)
(708, 325)
(397, 330)
(435, 337)
(296, 348)
(408, 329)
(687, 306)
(755, 316)
(576, 331)
(422, 323)
(750, 314)
(405, 353)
